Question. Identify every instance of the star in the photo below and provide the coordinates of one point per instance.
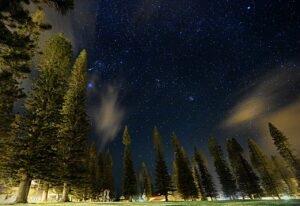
(90, 85)
(191, 98)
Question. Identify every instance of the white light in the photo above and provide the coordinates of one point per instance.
(223, 198)
(286, 197)
(140, 199)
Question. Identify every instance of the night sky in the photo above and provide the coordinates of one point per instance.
(196, 67)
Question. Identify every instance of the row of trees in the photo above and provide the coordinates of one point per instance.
(265, 176)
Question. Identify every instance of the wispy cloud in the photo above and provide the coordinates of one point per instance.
(272, 99)
(110, 114)
(287, 120)
(264, 98)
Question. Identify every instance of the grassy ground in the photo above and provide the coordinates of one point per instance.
(216, 203)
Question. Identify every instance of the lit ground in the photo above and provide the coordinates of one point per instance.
(218, 203)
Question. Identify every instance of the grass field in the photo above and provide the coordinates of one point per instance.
(216, 203)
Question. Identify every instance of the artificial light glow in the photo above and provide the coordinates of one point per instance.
(286, 197)
(140, 199)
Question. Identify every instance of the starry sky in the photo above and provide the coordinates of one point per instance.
(197, 67)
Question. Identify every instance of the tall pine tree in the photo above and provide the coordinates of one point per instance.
(73, 129)
(92, 172)
(286, 174)
(225, 176)
(9, 93)
(263, 165)
(247, 180)
(129, 175)
(145, 181)
(285, 150)
(198, 181)
(206, 178)
(108, 178)
(100, 172)
(163, 183)
(19, 32)
(55, 65)
(185, 179)
(34, 152)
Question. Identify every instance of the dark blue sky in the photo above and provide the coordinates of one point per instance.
(196, 67)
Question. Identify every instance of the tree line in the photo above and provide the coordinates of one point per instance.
(262, 176)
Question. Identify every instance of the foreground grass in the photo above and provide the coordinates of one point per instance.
(215, 203)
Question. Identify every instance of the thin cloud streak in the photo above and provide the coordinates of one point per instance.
(110, 115)
(250, 116)
(262, 99)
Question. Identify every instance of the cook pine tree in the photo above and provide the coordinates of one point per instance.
(175, 178)
(92, 172)
(146, 186)
(129, 175)
(73, 129)
(198, 181)
(163, 182)
(269, 177)
(99, 172)
(35, 132)
(225, 175)
(247, 181)
(56, 64)
(207, 183)
(284, 148)
(286, 174)
(20, 29)
(108, 178)
(185, 180)
(19, 36)
(18, 42)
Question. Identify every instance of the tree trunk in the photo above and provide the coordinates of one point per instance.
(65, 194)
(45, 192)
(277, 194)
(23, 190)
(166, 198)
